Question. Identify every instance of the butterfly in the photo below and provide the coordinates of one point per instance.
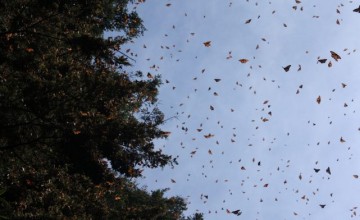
(328, 171)
(357, 9)
(76, 132)
(243, 60)
(217, 80)
(149, 76)
(342, 140)
(248, 21)
(166, 133)
(209, 135)
(316, 170)
(29, 50)
(236, 212)
(335, 56)
(287, 68)
(322, 205)
(207, 43)
(322, 60)
(318, 100)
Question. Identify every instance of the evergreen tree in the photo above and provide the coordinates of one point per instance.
(73, 117)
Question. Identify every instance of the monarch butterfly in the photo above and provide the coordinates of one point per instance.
(287, 68)
(243, 60)
(76, 132)
(318, 100)
(322, 60)
(207, 43)
(329, 64)
(328, 171)
(236, 212)
(335, 55)
(209, 135)
(357, 9)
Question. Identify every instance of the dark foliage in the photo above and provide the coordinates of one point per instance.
(73, 116)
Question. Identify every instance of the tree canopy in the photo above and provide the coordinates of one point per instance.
(75, 120)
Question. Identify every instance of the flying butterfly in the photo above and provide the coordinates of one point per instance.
(342, 140)
(236, 212)
(318, 100)
(322, 60)
(335, 56)
(328, 171)
(248, 21)
(207, 43)
(287, 68)
(208, 136)
(357, 9)
(330, 64)
(243, 60)
(217, 80)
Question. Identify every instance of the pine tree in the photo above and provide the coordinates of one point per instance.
(73, 115)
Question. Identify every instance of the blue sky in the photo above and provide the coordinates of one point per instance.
(247, 151)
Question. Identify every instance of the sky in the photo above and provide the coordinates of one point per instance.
(248, 135)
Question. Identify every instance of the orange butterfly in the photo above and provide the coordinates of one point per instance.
(207, 43)
(329, 64)
(209, 135)
(318, 100)
(335, 56)
(243, 60)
